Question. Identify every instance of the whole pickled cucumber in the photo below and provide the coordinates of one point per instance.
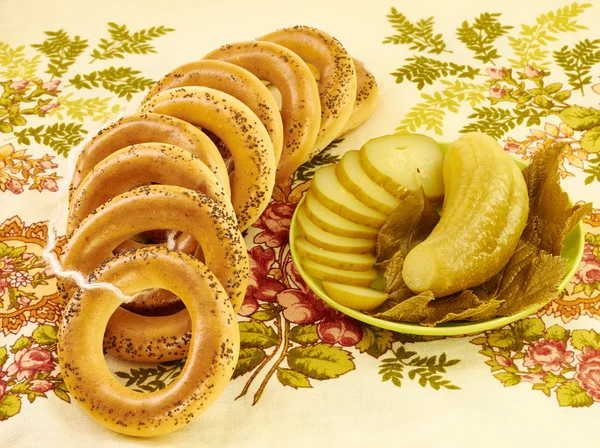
(484, 213)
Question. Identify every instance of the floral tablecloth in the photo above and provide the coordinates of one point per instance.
(526, 73)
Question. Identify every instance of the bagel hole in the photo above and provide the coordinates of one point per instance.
(276, 95)
(223, 150)
(155, 302)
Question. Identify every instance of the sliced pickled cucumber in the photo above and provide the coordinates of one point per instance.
(355, 297)
(349, 262)
(329, 241)
(335, 197)
(334, 223)
(352, 177)
(364, 278)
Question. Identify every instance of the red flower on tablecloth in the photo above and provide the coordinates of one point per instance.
(29, 361)
(41, 385)
(261, 286)
(275, 222)
(588, 372)
(340, 329)
(534, 377)
(550, 355)
(302, 305)
(589, 268)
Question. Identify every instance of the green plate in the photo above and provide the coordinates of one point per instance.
(572, 251)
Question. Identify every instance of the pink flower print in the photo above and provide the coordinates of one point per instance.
(48, 107)
(249, 306)
(41, 385)
(588, 372)
(19, 278)
(47, 165)
(495, 73)
(19, 85)
(27, 256)
(2, 388)
(531, 72)
(341, 330)
(49, 184)
(15, 186)
(23, 301)
(503, 361)
(496, 92)
(534, 378)
(260, 286)
(549, 354)
(3, 285)
(51, 86)
(589, 269)
(30, 360)
(275, 222)
(6, 265)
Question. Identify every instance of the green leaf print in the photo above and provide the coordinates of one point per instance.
(122, 81)
(79, 109)
(529, 48)
(304, 334)
(257, 335)
(508, 379)
(571, 394)
(422, 70)
(594, 174)
(320, 361)
(590, 141)
(61, 137)
(426, 370)
(557, 333)
(20, 344)
(10, 405)
(45, 334)
(578, 62)
(530, 330)
(419, 36)
(580, 118)
(292, 378)
(430, 114)
(14, 65)
(375, 341)
(3, 356)
(248, 360)
(505, 338)
(481, 36)
(122, 42)
(61, 50)
(585, 338)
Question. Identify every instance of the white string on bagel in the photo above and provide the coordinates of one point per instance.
(48, 252)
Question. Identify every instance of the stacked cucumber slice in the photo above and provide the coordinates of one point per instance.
(348, 203)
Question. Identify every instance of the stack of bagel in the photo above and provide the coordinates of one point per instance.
(200, 157)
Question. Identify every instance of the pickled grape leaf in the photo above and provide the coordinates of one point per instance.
(551, 217)
(531, 276)
(413, 310)
(406, 227)
(465, 305)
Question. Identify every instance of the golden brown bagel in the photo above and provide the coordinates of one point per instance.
(146, 128)
(214, 344)
(139, 165)
(337, 81)
(235, 81)
(243, 133)
(300, 111)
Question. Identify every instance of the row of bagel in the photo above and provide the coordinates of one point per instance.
(200, 157)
